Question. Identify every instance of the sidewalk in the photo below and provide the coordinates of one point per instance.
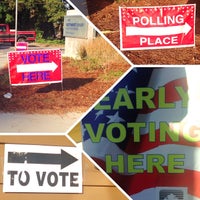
(36, 123)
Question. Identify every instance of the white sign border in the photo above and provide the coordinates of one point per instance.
(33, 185)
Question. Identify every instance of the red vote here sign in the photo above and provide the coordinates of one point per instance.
(157, 27)
(35, 67)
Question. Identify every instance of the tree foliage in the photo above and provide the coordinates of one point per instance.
(55, 10)
(40, 15)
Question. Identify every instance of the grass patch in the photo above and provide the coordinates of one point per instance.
(97, 54)
(50, 41)
(111, 75)
(47, 41)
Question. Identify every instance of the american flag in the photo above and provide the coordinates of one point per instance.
(156, 185)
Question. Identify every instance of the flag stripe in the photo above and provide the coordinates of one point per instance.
(171, 94)
(161, 83)
(139, 182)
(190, 159)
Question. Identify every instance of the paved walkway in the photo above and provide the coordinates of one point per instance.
(37, 123)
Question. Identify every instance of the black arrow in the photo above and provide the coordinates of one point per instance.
(63, 159)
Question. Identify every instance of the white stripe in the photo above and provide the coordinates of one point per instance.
(158, 31)
(162, 115)
(161, 77)
(164, 75)
(153, 193)
(190, 197)
(148, 193)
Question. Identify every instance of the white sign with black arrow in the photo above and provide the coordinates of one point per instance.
(46, 169)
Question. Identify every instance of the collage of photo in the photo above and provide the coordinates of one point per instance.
(99, 99)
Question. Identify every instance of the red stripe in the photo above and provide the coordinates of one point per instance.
(171, 94)
(145, 145)
(133, 184)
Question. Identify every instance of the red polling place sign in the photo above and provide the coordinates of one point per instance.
(35, 67)
(157, 27)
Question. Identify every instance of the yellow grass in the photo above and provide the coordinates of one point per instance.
(98, 53)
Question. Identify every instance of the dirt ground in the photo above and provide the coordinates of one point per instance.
(105, 15)
(82, 89)
(78, 92)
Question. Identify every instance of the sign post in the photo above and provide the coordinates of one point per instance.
(157, 27)
(46, 169)
(35, 67)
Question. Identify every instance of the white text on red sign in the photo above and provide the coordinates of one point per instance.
(167, 26)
